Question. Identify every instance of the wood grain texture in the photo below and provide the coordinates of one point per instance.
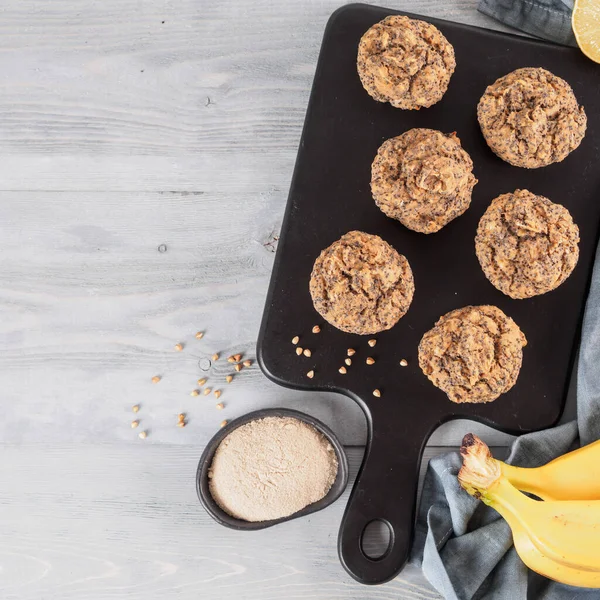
(127, 125)
(125, 523)
(91, 310)
(189, 95)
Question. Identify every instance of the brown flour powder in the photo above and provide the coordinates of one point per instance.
(271, 468)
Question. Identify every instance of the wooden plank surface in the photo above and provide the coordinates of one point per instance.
(91, 310)
(190, 95)
(127, 127)
(124, 522)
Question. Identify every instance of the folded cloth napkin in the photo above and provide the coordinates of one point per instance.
(464, 547)
(548, 19)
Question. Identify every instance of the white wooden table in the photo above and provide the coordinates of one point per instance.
(146, 152)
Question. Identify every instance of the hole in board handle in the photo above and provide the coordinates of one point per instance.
(376, 540)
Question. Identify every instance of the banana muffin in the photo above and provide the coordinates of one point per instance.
(423, 178)
(405, 62)
(526, 244)
(360, 284)
(474, 354)
(530, 118)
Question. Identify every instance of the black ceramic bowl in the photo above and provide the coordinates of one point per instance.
(219, 515)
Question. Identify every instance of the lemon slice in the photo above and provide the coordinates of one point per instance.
(586, 26)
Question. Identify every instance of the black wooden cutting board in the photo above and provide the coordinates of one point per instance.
(330, 195)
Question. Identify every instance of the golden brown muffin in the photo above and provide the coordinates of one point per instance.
(530, 118)
(526, 244)
(423, 178)
(474, 354)
(360, 284)
(405, 62)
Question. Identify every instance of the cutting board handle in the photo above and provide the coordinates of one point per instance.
(385, 490)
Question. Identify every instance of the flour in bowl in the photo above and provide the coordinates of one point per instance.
(271, 468)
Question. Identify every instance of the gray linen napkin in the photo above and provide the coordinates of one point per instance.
(548, 19)
(464, 547)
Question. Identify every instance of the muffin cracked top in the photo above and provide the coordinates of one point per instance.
(423, 178)
(474, 353)
(526, 244)
(360, 284)
(405, 62)
(530, 118)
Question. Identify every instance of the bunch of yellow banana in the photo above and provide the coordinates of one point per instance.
(558, 537)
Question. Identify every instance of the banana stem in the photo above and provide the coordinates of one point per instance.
(483, 477)
(480, 470)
